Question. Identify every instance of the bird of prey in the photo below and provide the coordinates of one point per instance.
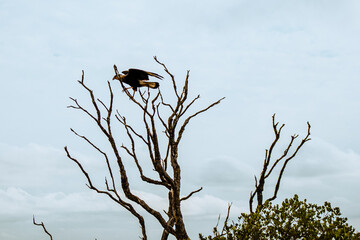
(137, 78)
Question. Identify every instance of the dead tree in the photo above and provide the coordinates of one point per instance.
(268, 168)
(172, 128)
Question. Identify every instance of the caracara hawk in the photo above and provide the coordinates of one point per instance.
(137, 78)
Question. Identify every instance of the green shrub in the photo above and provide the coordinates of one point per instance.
(294, 219)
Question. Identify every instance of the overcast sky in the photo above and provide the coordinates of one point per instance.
(298, 59)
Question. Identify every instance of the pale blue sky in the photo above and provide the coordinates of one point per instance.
(298, 59)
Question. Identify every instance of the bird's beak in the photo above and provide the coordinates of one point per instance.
(114, 77)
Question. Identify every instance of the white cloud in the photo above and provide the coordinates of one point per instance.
(224, 171)
(16, 202)
(323, 159)
(42, 168)
(208, 205)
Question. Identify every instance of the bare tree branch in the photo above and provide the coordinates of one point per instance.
(190, 194)
(104, 155)
(189, 105)
(284, 155)
(307, 138)
(226, 219)
(117, 199)
(171, 76)
(43, 226)
(153, 119)
(182, 129)
(217, 234)
(166, 104)
(122, 120)
(266, 171)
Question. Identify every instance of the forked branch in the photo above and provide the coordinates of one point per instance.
(268, 167)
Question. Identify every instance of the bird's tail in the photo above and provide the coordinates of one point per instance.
(149, 84)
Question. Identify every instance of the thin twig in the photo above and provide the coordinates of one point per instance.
(182, 129)
(43, 226)
(190, 194)
(171, 76)
(226, 218)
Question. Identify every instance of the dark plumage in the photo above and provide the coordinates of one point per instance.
(138, 78)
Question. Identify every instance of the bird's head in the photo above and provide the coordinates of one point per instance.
(118, 77)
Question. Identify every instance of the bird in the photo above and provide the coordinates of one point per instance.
(137, 78)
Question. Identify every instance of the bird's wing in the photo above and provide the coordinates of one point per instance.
(155, 75)
(142, 75)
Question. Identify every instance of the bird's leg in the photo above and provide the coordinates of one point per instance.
(126, 89)
(132, 96)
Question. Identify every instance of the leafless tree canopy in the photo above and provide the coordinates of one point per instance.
(164, 161)
(269, 166)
